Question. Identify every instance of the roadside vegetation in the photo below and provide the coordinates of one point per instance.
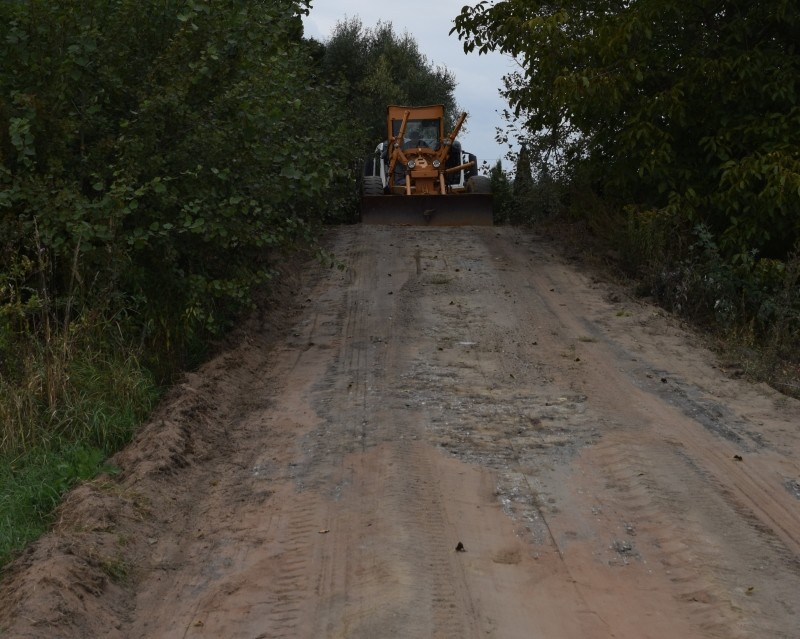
(158, 161)
(664, 136)
(154, 157)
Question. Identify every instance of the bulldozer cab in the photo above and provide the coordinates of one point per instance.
(420, 175)
(425, 130)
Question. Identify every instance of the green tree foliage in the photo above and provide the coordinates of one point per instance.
(381, 68)
(528, 195)
(688, 108)
(152, 155)
(503, 203)
(523, 174)
(156, 159)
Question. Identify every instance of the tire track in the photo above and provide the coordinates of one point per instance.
(461, 385)
(287, 596)
(633, 505)
(407, 549)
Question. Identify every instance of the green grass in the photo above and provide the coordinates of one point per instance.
(32, 485)
(51, 442)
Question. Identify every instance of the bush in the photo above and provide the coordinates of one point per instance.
(156, 158)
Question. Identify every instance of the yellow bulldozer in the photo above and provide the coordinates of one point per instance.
(420, 176)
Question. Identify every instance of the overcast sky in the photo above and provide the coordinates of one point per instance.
(429, 23)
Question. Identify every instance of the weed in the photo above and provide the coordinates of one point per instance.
(64, 408)
(116, 568)
(31, 486)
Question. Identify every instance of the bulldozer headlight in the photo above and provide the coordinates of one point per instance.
(436, 164)
(411, 164)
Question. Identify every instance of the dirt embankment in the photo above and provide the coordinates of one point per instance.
(599, 473)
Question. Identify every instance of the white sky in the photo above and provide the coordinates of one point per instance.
(429, 23)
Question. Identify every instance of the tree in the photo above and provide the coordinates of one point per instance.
(689, 108)
(523, 174)
(503, 202)
(380, 68)
(154, 155)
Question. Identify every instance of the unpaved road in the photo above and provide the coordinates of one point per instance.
(605, 476)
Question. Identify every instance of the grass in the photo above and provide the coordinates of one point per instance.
(31, 486)
(61, 417)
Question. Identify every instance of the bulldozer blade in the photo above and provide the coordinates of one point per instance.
(463, 209)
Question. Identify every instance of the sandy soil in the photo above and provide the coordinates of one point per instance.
(599, 472)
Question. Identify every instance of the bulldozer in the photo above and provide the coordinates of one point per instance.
(421, 176)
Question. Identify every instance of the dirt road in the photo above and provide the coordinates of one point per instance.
(600, 473)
